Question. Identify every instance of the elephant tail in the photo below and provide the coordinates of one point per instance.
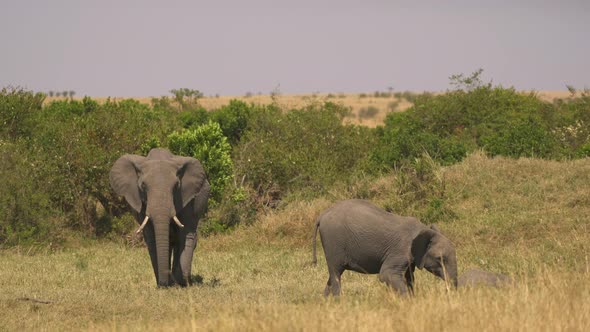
(315, 234)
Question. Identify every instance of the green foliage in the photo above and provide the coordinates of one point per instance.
(17, 107)
(233, 119)
(68, 107)
(525, 138)
(238, 206)
(502, 121)
(584, 151)
(404, 138)
(152, 143)
(468, 83)
(27, 214)
(303, 149)
(193, 117)
(207, 144)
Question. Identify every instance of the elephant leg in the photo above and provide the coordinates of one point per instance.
(410, 278)
(328, 287)
(334, 282)
(176, 274)
(183, 257)
(394, 279)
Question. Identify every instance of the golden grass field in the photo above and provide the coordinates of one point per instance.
(528, 218)
(356, 102)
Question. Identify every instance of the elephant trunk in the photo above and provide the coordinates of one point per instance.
(162, 232)
(451, 275)
(161, 216)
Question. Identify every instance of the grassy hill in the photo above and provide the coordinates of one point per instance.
(524, 217)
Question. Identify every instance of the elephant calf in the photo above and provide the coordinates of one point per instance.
(476, 277)
(361, 237)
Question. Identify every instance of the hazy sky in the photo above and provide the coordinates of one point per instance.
(146, 48)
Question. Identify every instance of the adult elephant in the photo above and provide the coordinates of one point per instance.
(169, 194)
(356, 235)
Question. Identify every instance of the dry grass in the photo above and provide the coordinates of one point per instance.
(356, 102)
(528, 218)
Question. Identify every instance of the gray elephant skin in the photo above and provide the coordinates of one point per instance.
(357, 235)
(169, 194)
(477, 277)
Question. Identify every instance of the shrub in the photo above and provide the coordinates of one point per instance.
(193, 117)
(207, 144)
(304, 149)
(403, 138)
(233, 119)
(239, 205)
(525, 138)
(17, 108)
(450, 125)
(27, 214)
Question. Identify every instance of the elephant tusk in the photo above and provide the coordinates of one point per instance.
(178, 222)
(142, 225)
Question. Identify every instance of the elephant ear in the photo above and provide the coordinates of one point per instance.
(420, 246)
(124, 177)
(192, 178)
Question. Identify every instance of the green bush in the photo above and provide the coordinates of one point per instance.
(404, 138)
(27, 214)
(207, 144)
(233, 119)
(68, 107)
(525, 138)
(17, 108)
(572, 128)
(448, 126)
(301, 150)
(239, 205)
(193, 117)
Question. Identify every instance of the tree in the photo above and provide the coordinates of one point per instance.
(186, 97)
(470, 83)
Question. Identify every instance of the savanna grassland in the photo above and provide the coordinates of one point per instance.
(527, 218)
(503, 173)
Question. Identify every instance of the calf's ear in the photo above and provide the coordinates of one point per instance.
(420, 246)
